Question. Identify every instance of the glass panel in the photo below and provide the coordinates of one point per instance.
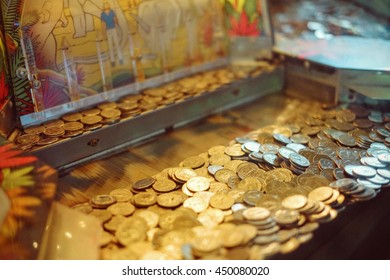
(75, 50)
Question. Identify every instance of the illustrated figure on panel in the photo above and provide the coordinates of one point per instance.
(110, 31)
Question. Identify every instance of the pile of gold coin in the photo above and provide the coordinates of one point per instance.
(261, 195)
(75, 124)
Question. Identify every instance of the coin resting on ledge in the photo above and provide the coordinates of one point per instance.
(109, 113)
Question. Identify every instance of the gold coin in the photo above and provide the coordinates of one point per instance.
(73, 126)
(294, 202)
(286, 217)
(131, 230)
(110, 113)
(206, 195)
(144, 199)
(334, 198)
(321, 194)
(197, 204)
(219, 159)
(308, 228)
(122, 195)
(193, 162)
(47, 141)
(107, 105)
(256, 213)
(114, 223)
(223, 175)
(73, 133)
(233, 165)
(34, 130)
(169, 200)
(174, 252)
(249, 232)
(304, 238)
(91, 120)
(54, 123)
(143, 183)
(54, 131)
(91, 112)
(164, 185)
(84, 208)
(72, 117)
(206, 243)
(150, 217)
(132, 98)
(203, 172)
(198, 184)
(184, 174)
(102, 200)
(290, 246)
(234, 151)
(237, 195)
(232, 238)
(105, 239)
(216, 187)
(251, 183)
(122, 208)
(167, 220)
(186, 191)
(211, 217)
(221, 201)
(102, 215)
(128, 108)
(217, 150)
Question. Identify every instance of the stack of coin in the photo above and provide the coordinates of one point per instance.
(108, 113)
(265, 193)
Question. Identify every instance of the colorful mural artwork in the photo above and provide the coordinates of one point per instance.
(243, 17)
(64, 50)
(27, 189)
(4, 71)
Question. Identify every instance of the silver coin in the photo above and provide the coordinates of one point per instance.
(342, 183)
(384, 158)
(378, 146)
(214, 168)
(271, 159)
(385, 173)
(281, 138)
(251, 146)
(379, 180)
(242, 140)
(372, 161)
(383, 132)
(299, 160)
(269, 148)
(238, 207)
(369, 184)
(364, 171)
(349, 169)
(296, 147)
(326, 163)
(376, 118)
(285, 153)
(256, 156)
(337, 134)
(375, 152)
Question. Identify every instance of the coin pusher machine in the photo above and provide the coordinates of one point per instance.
(341, 69)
